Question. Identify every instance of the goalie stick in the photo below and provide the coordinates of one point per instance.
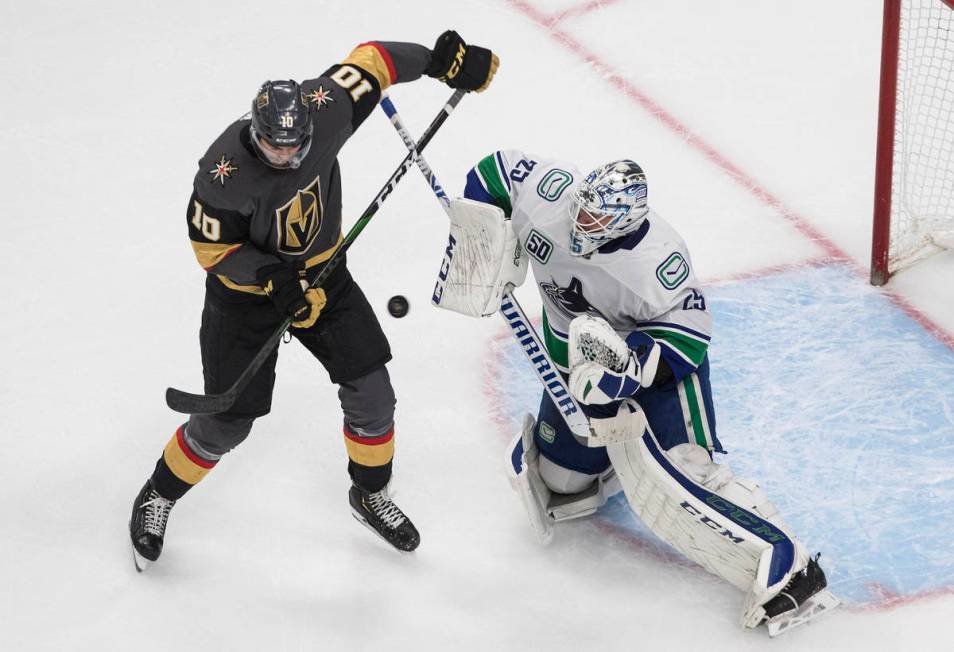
(187, 403)
(521, 328)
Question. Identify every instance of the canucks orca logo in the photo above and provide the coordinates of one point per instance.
(569, 300)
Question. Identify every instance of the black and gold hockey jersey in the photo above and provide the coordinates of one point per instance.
(244, 214)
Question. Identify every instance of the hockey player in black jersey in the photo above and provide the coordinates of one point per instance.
(264, 215)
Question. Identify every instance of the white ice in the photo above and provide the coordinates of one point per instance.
(756, 125)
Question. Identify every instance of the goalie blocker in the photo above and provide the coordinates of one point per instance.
(482, 261)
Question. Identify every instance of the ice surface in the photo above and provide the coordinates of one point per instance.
(755, 123)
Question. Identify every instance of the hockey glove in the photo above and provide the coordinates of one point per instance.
(316, 302)
(459, 65)
(283, 284)
(593, 384)
(603, 366)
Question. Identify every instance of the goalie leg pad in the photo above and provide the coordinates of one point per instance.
(674, 494)
(696, 463)
(748, 494)
(524, 475)
(562, 480)
(550, 493)
(575, 494)
(558, 443)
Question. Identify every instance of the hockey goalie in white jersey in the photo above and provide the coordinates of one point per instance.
(627, 324)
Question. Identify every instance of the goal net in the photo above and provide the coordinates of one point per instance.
(914, 180)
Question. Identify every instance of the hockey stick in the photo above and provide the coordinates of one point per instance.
(531, 344)
(213, 403)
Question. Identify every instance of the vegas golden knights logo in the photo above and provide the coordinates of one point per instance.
(300, 220)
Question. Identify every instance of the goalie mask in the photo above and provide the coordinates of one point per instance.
(609, 203)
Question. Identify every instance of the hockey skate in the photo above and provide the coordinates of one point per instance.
(380, 515)
(147, 526)
(804, 598)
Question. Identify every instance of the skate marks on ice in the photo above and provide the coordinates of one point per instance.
(840, 405)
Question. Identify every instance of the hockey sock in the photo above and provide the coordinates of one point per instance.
(180, 468)
(369, 458)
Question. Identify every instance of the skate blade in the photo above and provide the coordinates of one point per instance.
(814, 607)
(141, 562)
(363, 521)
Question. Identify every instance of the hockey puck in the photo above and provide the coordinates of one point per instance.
(398, 306)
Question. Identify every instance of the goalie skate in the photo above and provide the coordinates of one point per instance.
(804, 599)
(814, 607)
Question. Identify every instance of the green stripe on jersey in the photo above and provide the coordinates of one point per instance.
(695, 414)
(496, 186)
(558, 349)
(690, 347)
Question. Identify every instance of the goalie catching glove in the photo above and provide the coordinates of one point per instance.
(291, 294)
(603, 366)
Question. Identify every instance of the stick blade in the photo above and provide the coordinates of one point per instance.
(187, 403)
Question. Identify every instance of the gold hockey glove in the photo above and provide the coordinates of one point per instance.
(316, 302)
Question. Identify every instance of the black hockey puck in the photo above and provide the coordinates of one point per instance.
(398, 306)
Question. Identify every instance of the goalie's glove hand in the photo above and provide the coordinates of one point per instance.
(603, 366)
(459, 65)
(593, 384)
(284, 285)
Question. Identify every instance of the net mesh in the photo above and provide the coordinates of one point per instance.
(922, 213)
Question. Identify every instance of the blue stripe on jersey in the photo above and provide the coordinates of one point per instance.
(475, 189)
(627, 242)
(783, 549)
(649, 325)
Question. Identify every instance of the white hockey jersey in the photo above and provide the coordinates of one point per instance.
(641, 282)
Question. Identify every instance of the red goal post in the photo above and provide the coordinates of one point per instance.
(914, 173)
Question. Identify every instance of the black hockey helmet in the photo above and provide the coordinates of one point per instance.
(281, 118)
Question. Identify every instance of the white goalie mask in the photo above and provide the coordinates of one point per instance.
(608, 204)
